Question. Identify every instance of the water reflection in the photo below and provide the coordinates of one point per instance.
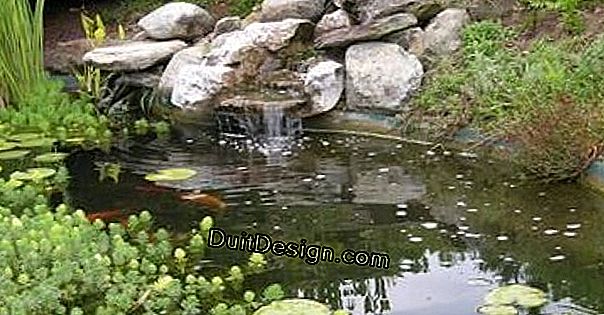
(454, 227)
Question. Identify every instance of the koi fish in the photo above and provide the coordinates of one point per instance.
(205, 200)
(109, 215)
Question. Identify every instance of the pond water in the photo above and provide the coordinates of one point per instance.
(454, 225)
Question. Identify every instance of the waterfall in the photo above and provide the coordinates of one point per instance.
(269, 129)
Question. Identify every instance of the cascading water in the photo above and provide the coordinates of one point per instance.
(271, 129)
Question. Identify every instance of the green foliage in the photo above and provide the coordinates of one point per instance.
(21, 49)
(569, 9)
(243, 7)
(90, 79)
(546, 100)
(58, 262)
(47, 111)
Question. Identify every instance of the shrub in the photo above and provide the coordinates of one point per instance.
(21, 49)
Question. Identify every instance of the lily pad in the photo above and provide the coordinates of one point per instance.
(26, 136)
(13, 155)
(78, 140)
(294, 307)
(37, 143)
(497, 310)
(172, 174)
(50, 157)
(516, 294)
(7, 145)
(34, 174)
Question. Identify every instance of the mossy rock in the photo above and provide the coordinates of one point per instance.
(294, 307)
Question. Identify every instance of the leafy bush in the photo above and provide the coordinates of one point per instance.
(517, 95)
(21, 49)
(569, 9)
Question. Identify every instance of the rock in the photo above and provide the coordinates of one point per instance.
(187, 57)
(424, 10)
(278, 10)
(333, 21)
(324, 84)
(133, 56)
(67, 56)
(227, 24)
(366, 32)
(380, 76)
(443, 35)
(139, 79)
(177, 20)
(235, 57)
(412, 40)
(196, 86)
(230, 47)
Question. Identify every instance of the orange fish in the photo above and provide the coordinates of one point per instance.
(107, 216)
(205, 200)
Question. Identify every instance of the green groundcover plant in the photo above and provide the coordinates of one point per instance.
(54, 261)
(545, 101)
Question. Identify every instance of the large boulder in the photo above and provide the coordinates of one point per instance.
(333, 21)
(380, 76)
(177, 20)
(185, 58)
(133, 56)
(366, 32)
(324, 84)
(235, 57)
(278, 10)
(443, 35)
(196, 86)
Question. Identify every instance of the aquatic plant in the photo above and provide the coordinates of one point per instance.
(21, 49)
(172, 174)
(505, 300)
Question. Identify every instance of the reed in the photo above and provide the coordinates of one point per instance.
(21, 49)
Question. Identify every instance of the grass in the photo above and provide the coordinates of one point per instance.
(21, 49)
(545, 101)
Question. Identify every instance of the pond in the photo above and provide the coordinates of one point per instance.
(454, 225)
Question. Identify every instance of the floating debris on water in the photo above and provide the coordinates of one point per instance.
(461, 204)
(402, 206)
(401, 213)
(569, 234)
(573, 226)
(557, 258)
(550, 232)
(415, 239)
(320, 176)
(384, 170)
(429, 225)
(502, 238)
(537, 219)
(472, 210)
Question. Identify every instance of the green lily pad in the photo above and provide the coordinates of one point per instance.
(26, 136)
(13, 184)
(516, 294)
(4, 146)
(294, 307)
(33, 174)
(13, 155)
(172, 174)
(50, 157)
(37, 143)
(497, 310)
(78, 140)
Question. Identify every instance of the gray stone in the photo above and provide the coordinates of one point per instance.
(277, 10)
(177, 20)
(227, 24)
(133, 56)
(196, 86)
(424, 10)
(139, 79)
(333, 21)
(443, 35)
(380, 76)
(234, 57)
(187, 57)
(412, 40)
(324, 84)
(366, 32)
